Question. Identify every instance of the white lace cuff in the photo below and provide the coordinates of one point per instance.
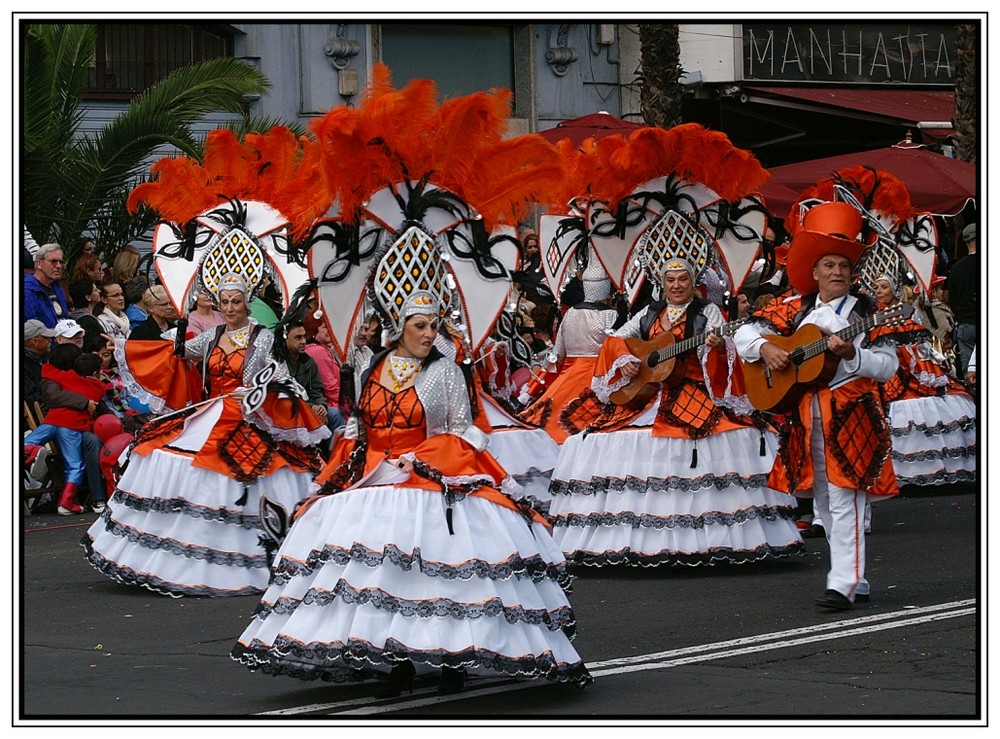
(603, 385)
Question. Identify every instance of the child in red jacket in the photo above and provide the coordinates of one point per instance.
(66, 425)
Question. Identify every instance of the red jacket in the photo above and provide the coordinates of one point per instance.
(71, 418)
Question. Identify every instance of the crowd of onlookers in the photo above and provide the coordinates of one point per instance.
(73, 315)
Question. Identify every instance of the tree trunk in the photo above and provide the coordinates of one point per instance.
(966, 89)
(660, 52)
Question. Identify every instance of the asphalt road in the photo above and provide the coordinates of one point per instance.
(666, 645)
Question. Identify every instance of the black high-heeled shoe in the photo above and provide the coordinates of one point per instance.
(401, 676)
(452, 681)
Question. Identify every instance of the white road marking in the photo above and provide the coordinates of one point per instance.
(838, 629)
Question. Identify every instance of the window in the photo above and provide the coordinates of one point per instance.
(461, 59)
(130, 57)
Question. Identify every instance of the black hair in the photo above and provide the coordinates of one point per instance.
(87, 364)
(63, 356)
(79, 290)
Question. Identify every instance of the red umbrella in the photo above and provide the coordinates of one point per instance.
(594, 125)
(937, 184)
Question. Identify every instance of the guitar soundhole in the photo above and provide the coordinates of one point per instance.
(651, 360)
(797, 356)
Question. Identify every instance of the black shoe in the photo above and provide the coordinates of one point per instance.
(452, 681)
(400, 677)
(862, 598)
(833, 600)
(815, 531)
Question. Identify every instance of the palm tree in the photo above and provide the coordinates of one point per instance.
(74, 184)
(660, 51)
(966, 99)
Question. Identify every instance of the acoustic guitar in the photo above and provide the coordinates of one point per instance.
(811, 364)
(658, 363)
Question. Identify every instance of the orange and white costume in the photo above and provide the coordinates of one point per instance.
(683, 481)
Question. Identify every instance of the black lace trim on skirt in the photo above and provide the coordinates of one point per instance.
(941, 477)
(711, 557)
(193, 551)
(360, 660)
(962, 452)
(561, 619)
(655, 484)
(963, 424)
(127, 576)
(176, 505)
(675, 521)
(534, 568)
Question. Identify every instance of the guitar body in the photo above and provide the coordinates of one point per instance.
(638, 392)
(781, 390)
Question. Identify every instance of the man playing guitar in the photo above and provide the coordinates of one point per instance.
(835, 444)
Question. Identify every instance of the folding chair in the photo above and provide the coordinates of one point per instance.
(52, 482)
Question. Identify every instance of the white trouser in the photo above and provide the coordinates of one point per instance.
(842, 511)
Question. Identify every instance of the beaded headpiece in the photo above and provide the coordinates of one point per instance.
(410, 279)
(674, 243)
(881, 262)
(232, 281)
(596, 285)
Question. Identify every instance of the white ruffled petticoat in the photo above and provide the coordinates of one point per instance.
(627, 497)
(178, 529)
(369, 577)
(528, 454)
(934, 439)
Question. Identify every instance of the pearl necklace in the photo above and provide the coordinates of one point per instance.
(402, 370)
(240, 337)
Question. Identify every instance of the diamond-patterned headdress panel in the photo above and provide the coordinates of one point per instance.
(673, 241)
(410, 266)
(234, 251)
(881, 261)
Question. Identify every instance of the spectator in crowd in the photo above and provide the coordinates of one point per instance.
(87, 266)
(76, 372)
(321, 350)
(86, 296)
(112, 313)
(162, 316)
(125, 265)
(302, 367)
(963, 293)
(204, 315)
(532, 254)
(359, 356)
(37, 345)
(44, 298)
(69, 331)
(134, 289)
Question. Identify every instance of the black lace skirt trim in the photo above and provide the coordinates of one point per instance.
(193, 551)
(562, 619)
(963, 424)
(359, 660)
(655, 484)
(534, 568)
(676, 521)
(711, 557)
(938, 478)
(127, 576)
(962, 452)
(175, 505)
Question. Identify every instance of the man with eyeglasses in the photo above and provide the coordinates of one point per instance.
(44, 299)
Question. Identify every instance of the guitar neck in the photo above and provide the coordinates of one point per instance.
(661, 355)
(848, 332)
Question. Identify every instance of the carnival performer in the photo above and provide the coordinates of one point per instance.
(684, 480)
(185, 518)
(581, 333)
(931, 416)
(835, 445)
(412, 560)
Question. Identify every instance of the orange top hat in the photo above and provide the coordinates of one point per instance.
(827, 228)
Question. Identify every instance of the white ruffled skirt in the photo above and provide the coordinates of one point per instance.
(628, 497)
(934, 439)
(181, 530)
(370, 577)
(528, 454)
